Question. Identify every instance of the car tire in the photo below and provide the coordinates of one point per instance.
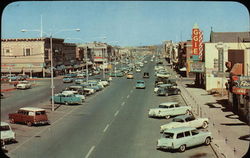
(178, 92)
(12, 121)
(204, 125)
(182, 148)
(167, 117)
(29, 124)
(207, 141)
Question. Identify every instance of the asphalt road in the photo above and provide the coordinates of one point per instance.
(113, 124)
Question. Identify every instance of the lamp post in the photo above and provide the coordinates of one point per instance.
(51, 61)
(103, 53)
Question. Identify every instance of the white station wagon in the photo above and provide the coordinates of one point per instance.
(169, 109)
(183, 137)
(23, 85)
(186, 121)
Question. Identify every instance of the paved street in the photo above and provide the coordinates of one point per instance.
(112, 123)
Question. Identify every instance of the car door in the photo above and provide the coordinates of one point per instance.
(195, 137)
(193, 122)
(188, 138)
(178, 109)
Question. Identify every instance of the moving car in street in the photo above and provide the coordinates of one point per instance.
(140, 84)
(182, 138)
(145, 75)
(23, 85)
(130, 75)
(30, 116)
(186, 121)
(7, 135)
(138, 70)
(169, 109)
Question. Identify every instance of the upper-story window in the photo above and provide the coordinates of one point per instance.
(26, 51)
(6, 51)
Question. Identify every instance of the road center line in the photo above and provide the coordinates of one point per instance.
(128, 96)
(90, 151)
(116, 113)
(123, 103)
(105, 129)
(131, 91)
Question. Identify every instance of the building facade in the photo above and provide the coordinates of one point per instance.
(32, 56)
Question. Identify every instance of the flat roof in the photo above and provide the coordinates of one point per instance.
(179, 129)
(32, 109)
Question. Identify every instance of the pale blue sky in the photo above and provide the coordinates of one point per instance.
(130, 23)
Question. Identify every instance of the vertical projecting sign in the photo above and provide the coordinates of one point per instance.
(197, 45)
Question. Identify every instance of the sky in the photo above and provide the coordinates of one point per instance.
(123, 23)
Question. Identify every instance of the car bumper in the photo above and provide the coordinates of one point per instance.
(164, 147)
(41, 122)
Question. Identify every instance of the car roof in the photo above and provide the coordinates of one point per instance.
(32, 109)
(179, 129)
(139, 81)
(4, 123)
(169, 103)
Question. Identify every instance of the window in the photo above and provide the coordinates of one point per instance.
(180, 135)
(168, 135)
(190, 119)
(187, 133)
(194, 132)
(4, 128)
(26, 52)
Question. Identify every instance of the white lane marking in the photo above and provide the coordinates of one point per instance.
(116, 113)
(90, 151)
(128, 96)
(105, 129)
(123, 103)
(131, 91)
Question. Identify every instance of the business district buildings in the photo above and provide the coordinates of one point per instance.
(33, 56)
(223, 67)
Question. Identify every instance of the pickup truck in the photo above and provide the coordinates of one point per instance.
(67, 99)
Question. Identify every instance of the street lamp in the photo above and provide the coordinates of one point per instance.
(51, 60)
(103, 69)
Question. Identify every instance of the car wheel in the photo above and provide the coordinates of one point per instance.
(166, 94)
(12, 121)
(66, 103)
(182, 148)
(207, 141)
(29, 124)
(205, 124)
(167, 117)
(178, 92)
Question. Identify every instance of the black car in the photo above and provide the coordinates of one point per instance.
(166, 91)
(145, 75)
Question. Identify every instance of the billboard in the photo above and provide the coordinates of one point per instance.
(197, 66)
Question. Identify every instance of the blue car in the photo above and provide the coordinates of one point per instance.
(67, 80)
(140, 84)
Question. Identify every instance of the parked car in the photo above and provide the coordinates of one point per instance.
(168, 109)
(71, 75)
(79, 89)
(79, 80)
(104, 82)
(166, 91)
(67, 99)
(145, 75)
(30, 116)
(182, 138)
(23, 85)
(67, 80)
(140, 84)
(163, 74)
(159, 85)
(69, 92)
(130, 75)
(7, 135)
(186, 121)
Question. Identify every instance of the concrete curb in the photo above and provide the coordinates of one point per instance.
(7, 90)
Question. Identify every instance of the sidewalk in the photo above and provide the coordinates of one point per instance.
(231, 136)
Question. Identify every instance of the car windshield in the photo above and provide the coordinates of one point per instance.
(168, 135)
(140, 82)
(178, 120)
(40, 112)
(5, 128)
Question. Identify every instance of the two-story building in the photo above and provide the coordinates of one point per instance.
(32, 56)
